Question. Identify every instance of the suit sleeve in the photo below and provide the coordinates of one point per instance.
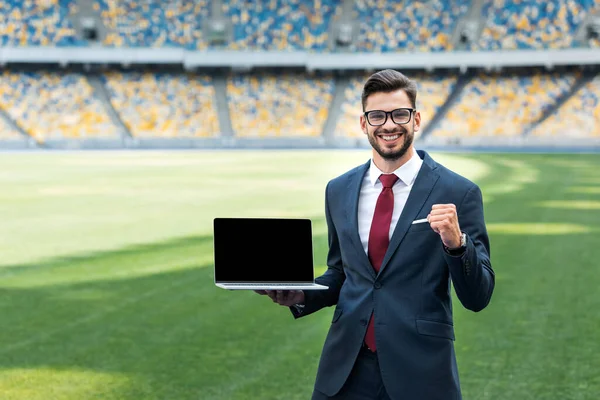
(471, 273)
(333, 278)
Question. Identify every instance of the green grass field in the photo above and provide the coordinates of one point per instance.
(106, 281)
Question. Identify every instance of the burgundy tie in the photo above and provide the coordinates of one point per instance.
(379, 238)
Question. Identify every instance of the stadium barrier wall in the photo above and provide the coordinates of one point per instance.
(309, 60)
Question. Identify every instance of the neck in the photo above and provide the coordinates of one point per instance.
(388, 166)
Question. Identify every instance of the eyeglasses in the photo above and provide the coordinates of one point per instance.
(399, 116)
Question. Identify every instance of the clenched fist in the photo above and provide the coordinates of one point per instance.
(444, 221)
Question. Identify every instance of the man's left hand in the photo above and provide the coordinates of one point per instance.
(444, 221)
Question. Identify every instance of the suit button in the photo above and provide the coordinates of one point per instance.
(377, 285)
(363, 322)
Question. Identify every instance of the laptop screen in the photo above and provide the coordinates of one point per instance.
(265, 250)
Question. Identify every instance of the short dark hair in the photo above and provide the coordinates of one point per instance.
(387, 81)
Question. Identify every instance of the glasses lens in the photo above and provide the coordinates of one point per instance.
(376, 117)
(401, 116)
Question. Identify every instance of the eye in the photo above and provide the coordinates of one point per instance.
(376, 116)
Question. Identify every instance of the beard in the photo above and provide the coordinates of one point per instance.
(392, 154)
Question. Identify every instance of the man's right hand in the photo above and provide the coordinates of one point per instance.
(284, 297)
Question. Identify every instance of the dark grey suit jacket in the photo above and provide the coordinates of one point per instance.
(410, 296)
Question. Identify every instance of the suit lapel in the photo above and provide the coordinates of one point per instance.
(424, 183)
(354, 186)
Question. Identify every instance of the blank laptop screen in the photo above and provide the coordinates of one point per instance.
(263, 250)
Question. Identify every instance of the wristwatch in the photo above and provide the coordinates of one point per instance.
(459, 250)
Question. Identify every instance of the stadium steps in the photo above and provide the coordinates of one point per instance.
(222, 105)
(335, 108)
(102, 94)
(586, 77)
(85, 11)
(345, 27)
(10, 122)
(472, 21)
(580, 39)
(463, 80)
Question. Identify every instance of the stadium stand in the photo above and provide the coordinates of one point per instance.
(257, 25)
(54, 105)
(159, 104)
(501, 105)
(37, 23)
(388, 26)
(154, 23)
(531, 24)
(164, 105)
(384, 26)
(348, 122)
(432, 92)
(287, 104)
(579, 116)
(280, 24)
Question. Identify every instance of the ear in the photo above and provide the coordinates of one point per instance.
(417, 121)
(363, 123)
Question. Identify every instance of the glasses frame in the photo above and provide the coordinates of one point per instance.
(389, 113)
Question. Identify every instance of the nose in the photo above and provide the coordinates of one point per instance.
(389, 125)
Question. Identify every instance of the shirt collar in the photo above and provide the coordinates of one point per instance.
(407, 173)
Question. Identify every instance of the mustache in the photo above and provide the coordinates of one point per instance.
(398, 131)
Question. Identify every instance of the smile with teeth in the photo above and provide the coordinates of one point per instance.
(389, 138)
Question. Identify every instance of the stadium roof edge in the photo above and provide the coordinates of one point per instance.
(309, 60)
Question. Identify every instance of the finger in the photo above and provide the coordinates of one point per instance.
(281, 296)
(441, 214)
(436, 227)
(441, 218)
(289, 294)
(261, 292)
(440, 206)
(440, 211)
(286, 297)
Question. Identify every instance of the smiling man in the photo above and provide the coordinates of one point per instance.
(401, 227)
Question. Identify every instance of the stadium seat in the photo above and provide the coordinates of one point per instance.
(257, 25)
(348, 124)
(389, 26)
(164, 105)
(7, 132)
(54, 105)
(503, 105)
(154, 23)
(288, 104)
(432, 92)
(577, 117)
(280, 24)
(37, 23)
(531, 24)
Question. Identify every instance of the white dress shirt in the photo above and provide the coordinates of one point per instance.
(371, 188)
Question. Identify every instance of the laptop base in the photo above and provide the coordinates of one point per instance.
(271, 286)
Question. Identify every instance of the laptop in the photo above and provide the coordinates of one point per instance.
(264, 254)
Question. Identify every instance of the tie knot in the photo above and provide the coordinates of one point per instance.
(388, 180)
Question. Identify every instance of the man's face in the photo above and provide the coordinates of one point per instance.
(390, 140)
